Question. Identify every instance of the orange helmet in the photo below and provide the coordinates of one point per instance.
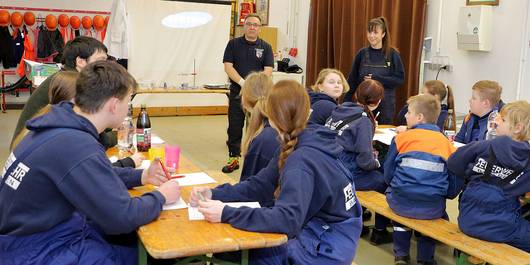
(64, 20)
(87, 22)
(51, 22)
(75, 22)
(29, 18)
(4, 17)
(16, 19)
(99, 22)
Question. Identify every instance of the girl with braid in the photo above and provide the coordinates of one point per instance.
(315, 203)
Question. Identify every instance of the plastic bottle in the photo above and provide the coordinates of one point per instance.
(492, 126)
(143, 131)
(449, 121)
(126, 132)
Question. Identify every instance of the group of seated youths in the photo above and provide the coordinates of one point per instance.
(305, 157)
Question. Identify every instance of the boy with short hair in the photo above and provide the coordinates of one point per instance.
(498, 172)
(417, 175)
(485, 98)
(58, 190)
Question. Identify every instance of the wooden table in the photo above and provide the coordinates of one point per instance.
(173, 90)
(172, 235)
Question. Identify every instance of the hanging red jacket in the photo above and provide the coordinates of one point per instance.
(29, 53)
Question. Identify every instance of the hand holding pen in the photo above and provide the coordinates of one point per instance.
(200, 194)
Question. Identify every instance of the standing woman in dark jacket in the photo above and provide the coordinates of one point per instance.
(381, 62)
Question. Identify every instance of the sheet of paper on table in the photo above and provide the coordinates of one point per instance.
(180, 204)
(194, 214)
(385, 135)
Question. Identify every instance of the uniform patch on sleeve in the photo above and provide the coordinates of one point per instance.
(15, 178)
(349, 197)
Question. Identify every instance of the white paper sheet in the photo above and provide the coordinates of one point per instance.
(194, 214)
(113, 159)
(458, 144)
(190, 179)
(180, 204)
(386, 136)
(156, 140)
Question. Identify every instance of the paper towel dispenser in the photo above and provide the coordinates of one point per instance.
(474, 28)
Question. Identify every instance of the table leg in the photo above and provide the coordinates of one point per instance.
(142, 254)
(244, 257)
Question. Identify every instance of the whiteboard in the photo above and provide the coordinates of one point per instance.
(159, 54)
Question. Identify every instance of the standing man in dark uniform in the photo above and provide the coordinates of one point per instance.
(243, 55)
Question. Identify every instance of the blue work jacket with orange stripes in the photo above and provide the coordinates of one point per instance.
(417, 174)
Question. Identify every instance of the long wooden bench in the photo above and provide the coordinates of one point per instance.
(449, 234)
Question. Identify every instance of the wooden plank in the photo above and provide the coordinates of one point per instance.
(178, 91)
(183, 111)
(448, 233)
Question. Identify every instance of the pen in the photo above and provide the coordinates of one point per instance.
(168, 176)
(176, 176)
(201, 197)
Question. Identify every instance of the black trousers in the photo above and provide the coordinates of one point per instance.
(236, 121)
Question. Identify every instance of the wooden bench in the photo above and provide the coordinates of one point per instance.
(448, 233)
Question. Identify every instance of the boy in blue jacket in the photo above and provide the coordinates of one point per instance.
(485, 98)
(59, 193)
(498, 172)
(416, 171)
(315, 204)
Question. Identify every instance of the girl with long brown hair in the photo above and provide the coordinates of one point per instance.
(379, 61)
(260, 142)
(315, 202)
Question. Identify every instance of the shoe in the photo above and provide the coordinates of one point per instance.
(367, 215)
(231, 165)
(379, 237)
(405, 260)
(365, 230)
(430, 262)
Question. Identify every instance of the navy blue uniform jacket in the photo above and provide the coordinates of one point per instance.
(71, 173)
(313, 184)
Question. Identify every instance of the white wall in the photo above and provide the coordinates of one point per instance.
(504, 63)
(292, 19)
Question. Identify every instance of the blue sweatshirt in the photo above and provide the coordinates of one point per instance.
(441, 119)
(468, 162)
(261, 150)
(394, 76)
(321, 107)
(416, 171)
(491, 210)
(314, 183)
(70, 173)
(356, 139)
(474, 128)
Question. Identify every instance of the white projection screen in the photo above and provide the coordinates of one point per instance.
(159, 54)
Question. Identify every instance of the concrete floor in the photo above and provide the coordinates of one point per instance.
(202, 139)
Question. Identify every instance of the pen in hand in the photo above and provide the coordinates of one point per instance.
(168, 176)
(201, 197)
